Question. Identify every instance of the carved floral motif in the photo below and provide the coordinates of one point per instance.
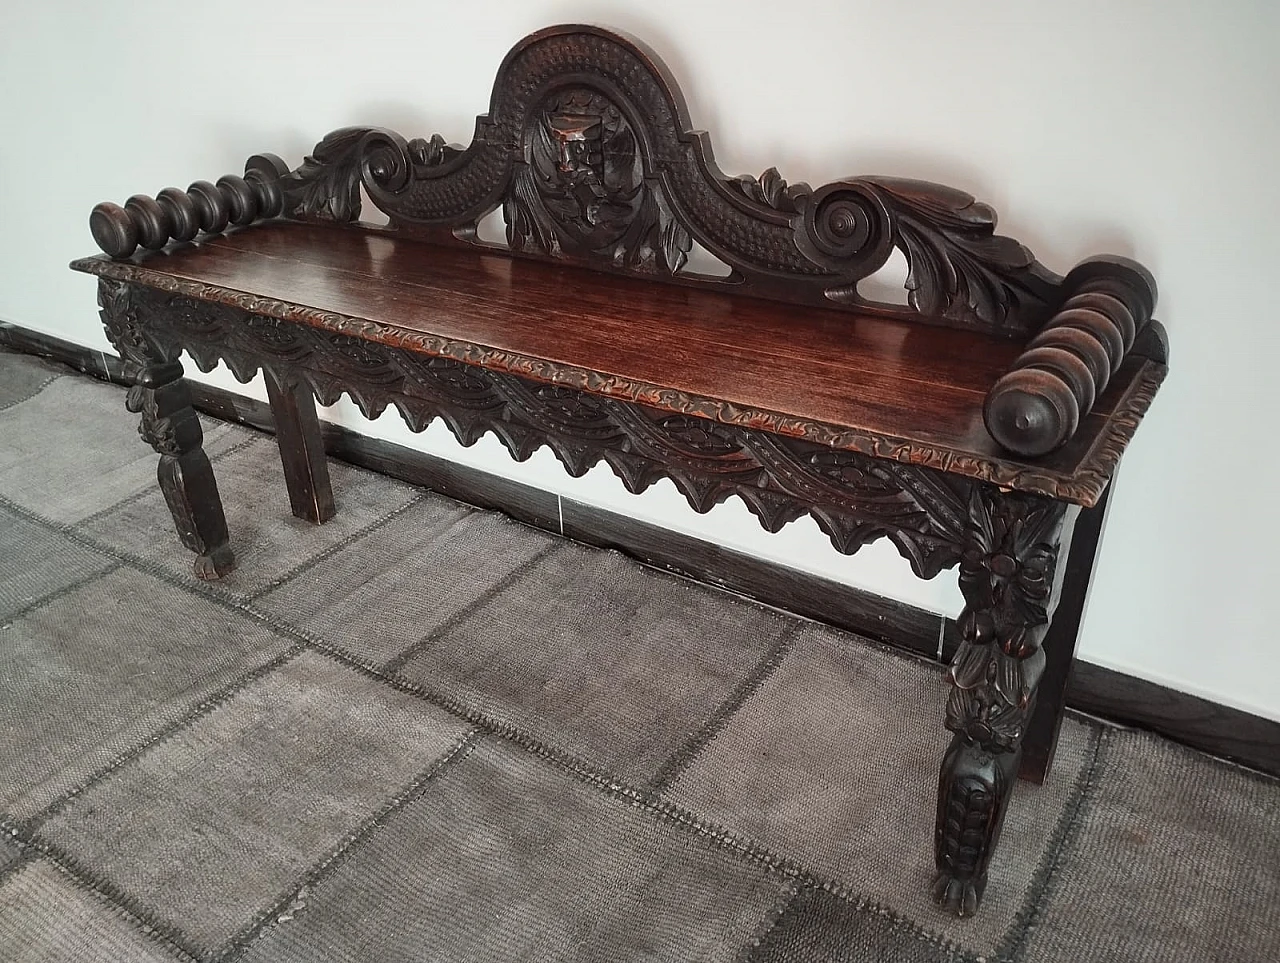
(1006, 577)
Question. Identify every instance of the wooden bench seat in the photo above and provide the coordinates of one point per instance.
(977, 427)
(861, 381)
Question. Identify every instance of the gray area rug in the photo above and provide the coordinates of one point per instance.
(426, 732)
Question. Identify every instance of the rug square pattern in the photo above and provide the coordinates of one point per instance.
(39, 562)
(601, 657)
(1165, 833)
(844, 730)
(46, 918)
(24, 376)
(180, 776)
(506, 857)
(821, 927)
(212, 825)
(101, 669)
(72, 451)
(393, 589)
(269, 543)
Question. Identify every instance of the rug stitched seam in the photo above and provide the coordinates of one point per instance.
(44, 384)
(151, 489)
(327, 553)
(791, 890)
(719, 838)
(393, 665)
(59, 593)
(1066, 833)
(147, 921)
(350, 843)
(748, 686)
(148, 932)
(205, 707)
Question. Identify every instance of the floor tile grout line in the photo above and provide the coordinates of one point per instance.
(239, 944)
(1044, 879)
(140, 915)
(50, 597)
(205, 707)
(147, 490)
(747, 687)
(417, 497)
(393, 665)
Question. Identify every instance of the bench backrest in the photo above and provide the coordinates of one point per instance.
(588, 151)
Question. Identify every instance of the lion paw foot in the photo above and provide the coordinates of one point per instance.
(215, 564)
(958, 895)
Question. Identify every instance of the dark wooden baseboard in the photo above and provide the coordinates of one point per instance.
(1098, 691)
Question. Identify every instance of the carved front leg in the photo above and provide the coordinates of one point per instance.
(1007, 577)
(170, 425)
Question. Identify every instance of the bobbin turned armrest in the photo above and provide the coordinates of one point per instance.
(176, 215)
(1038, 405)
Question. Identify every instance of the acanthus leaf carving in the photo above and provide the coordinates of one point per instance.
(957, 265)
(771, 190)
(1007, 578)
(590, 158)
(327, 184)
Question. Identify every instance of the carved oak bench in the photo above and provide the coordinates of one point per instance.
(979, 426)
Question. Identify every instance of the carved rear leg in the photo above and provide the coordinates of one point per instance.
(306, 473)
(1007, 577)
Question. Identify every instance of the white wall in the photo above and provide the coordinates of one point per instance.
(1140, 128)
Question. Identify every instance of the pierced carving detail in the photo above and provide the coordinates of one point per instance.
(584, 190)
(589, 154)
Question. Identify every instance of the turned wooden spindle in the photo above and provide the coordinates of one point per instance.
(1038, 405)
(177, 215)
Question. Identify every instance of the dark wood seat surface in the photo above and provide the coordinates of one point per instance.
(889, 387)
